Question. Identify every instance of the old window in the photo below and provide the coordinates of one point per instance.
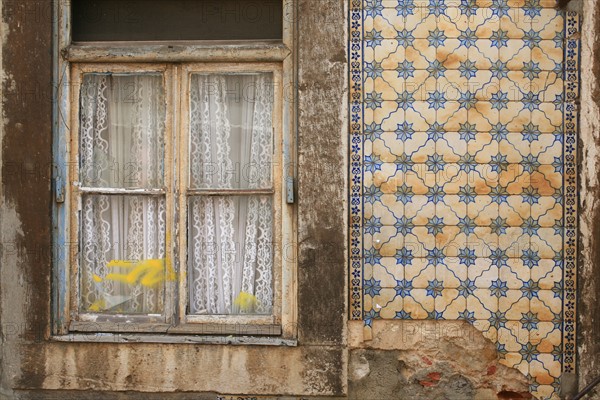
(173, 200)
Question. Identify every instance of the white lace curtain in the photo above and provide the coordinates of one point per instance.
(122, 124)
(230, 254)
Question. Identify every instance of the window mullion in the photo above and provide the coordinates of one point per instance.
(231, 192)
(182, 178)
(170, 179)
(100, 190)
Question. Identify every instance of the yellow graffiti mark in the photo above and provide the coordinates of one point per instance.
(98, 305)
(246, 302)
(109, 302)
(146, 272)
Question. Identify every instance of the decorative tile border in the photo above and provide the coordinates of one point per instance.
(394, 275)
(356, 157)
(571, 120)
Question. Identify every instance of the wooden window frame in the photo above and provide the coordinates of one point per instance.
(188, 321)
(175, 61)
(74, 189)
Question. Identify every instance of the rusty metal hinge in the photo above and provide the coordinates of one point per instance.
(59, 189)
(289, 189)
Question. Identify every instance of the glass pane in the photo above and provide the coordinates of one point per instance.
(123, 265)
(230, 255)
(121, 133)
(231, 131)
(143, 20)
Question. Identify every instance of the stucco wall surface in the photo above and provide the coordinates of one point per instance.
(589, 196)
(34, 367)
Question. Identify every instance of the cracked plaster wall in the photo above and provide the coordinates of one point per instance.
(589, 198)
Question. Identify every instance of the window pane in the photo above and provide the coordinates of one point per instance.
(148, 20)
(230, 255)
(122, 125)
(123, 267)
(231, 131)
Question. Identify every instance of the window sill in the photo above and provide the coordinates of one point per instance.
(176, 52)
(207, 329)
(174, 339)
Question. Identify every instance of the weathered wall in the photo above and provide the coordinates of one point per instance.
(406, 375)
(33, 367)
(417, 360)
(428, 359)
(589, 261)
(322, 111)
(25, 203)
(392, 364)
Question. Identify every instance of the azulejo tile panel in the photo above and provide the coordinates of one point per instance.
(463, 172)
